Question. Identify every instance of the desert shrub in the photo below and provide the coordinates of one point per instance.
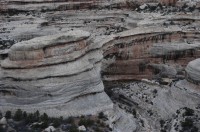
(44, 117)
(187, 124)
(178, 111)
(98, 121)
(86, 122)
(184, 6)
(97, 129)
(162, 122)
(25, 115)
(102, 124)
(18, 116)
(194, 129)
(101, 115)
(69, 120)
(155, 91)
(188, 112)
(134, 113)
(44, 24)
(82, 116)
(44, 125)
(8, 114)
(73, 128)
(29, 119)
(2, 129)
(56, 121)
(162, 130)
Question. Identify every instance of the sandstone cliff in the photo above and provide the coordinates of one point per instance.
(56, 74)
(55, 56)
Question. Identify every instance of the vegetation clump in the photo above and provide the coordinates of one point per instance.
(24, 122)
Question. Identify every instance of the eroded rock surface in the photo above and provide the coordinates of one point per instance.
(193, 70)
(51, 73)
(55, 56)
(158, 108)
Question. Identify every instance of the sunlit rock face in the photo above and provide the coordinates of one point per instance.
(145, 52)
(63, 73)
(57, 74)
(193, 71)
(56, 53)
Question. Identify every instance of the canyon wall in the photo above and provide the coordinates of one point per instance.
(57, 74)
(59, 5)
(56, 54)
(144, 52)
(61, 74)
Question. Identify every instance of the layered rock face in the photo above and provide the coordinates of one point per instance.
(55, 55)
(58, 5)
(57, 74)
(122, 44)
(140, 53)
(60, 74)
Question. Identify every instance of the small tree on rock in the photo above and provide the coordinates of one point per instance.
(8, 114)
(18, 115)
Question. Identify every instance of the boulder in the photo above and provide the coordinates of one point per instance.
(50, 129)
(193, 71)
(3, 121)
(82, 128)
(142, 7)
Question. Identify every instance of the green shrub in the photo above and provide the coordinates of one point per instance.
(37, 115)
(30, 118)
(70, 120)
(134, 113)
(86, 122)
(73, 128)
(56, 122)
(44, 125)
(18, 116)
(2, 129)
(194, 129)
(8, 114)
(188, 112)
(178, 111)
(44, 117)
(187, 124)
(102, 124)
(97, 129)
(162, 122)
(101, 115)
(98, 122)
(25, 115)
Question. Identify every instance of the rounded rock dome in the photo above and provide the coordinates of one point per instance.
(193, 71)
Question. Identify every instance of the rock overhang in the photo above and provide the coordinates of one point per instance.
(48, 50)
(51, 40)
(81, 47)
(58, 72)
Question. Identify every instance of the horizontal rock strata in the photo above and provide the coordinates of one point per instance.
(54, 71)
(58, 52)
(136, 51)
(57, 74)
(59, 5)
